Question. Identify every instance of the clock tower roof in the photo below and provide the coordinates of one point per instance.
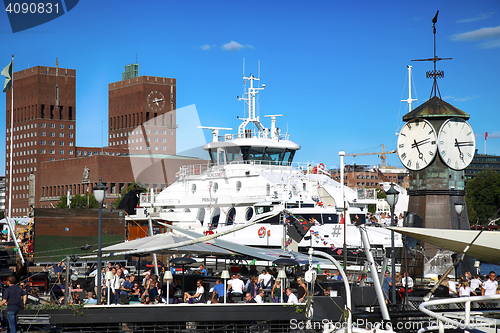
(435, 108)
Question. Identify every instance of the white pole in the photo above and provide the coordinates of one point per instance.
(225, 291)
(168, 290)
(11, 148)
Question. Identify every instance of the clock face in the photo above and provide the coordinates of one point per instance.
(456, 143)
(156, 100)
(417, 144)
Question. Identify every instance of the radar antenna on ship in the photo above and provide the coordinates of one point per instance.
(249, 99)
(215, 131)
(275, 131)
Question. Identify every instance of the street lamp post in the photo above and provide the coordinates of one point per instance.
(392, 196)
(100, 195)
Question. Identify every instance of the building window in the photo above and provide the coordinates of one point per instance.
(156, 148)
(70, 126)
(52, 151)
(70, 135)
(164, 148)
(41, 142)
(164, 132)
(61, 143)
(61, 126)
(61, 135)
(156, 139)
(42, 134)
(52, 143)
(52, 134)
(156, 131)
(148, 131)
(52, 125)
(70, 143)
(70, 152)
(163, 140)
(42, 151)
(42, 125)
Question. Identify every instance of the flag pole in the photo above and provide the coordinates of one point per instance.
(10, 149)
(9, 219)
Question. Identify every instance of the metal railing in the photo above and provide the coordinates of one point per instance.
(465, 324)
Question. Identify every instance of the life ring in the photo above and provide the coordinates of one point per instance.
(269, 233)
(321, 166)
(262, 232)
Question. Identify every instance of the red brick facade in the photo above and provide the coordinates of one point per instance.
(46, 163)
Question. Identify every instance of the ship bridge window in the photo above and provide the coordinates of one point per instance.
(238, 186)
(248, 213)
(215, 218)
(230, 216)
(201, 215)
(263, 209)
(233, 155)
(272, 156)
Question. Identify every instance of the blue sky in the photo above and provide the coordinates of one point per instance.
(335, 69)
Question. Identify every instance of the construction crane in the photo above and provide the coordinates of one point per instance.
(381, 155)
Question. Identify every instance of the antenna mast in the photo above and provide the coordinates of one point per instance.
(409, 100)
(435, 74)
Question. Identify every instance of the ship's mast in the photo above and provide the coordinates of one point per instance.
(409, 100)
(250, 100)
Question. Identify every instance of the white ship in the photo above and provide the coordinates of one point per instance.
(251, 173)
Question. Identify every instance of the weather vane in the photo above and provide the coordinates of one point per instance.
(435, 74)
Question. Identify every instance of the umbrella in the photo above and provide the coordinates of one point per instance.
(167, 239)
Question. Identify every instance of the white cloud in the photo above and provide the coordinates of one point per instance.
(490, 44)
(476, 35)
(205, 47)
(494, 135)
(460, 99)
(232, 46)
(480, 17)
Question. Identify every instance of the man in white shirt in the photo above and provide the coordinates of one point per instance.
(260, 296)
(291, 297)
(489, 286)
(236, 286)
(197, 295)
(265, 283)
(452, 286)
(475, 283)
(114, 283)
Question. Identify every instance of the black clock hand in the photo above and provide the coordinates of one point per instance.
(460, 151)
(464, 143)
(415, 145)
(422, 142)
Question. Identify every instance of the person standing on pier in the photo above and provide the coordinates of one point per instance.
(16, 298)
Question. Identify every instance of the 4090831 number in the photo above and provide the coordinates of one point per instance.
(24, 8)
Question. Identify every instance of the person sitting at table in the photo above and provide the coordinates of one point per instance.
(90, 299)
(126, 289)
(76, 299)
(260, 296)
(203, 271)
(291, 297)
(197, 295)
(58, 269)
(249, 298)
(236, 286)
(219, 289)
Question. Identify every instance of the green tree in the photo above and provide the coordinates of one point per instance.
(380, 195)
(125, 191)
(78, 201)
(483, 196)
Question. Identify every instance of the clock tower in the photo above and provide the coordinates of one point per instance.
(436, 144)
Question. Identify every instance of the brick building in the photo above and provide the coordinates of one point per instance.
(47, 164)
(359, 176)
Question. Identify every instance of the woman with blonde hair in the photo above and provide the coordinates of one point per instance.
(301, 290)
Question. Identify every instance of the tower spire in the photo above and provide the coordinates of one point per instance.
(434, 74)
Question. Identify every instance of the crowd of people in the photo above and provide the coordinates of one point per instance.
(124, 288)
(469, 285)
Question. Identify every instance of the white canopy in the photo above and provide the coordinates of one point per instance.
(485, 248)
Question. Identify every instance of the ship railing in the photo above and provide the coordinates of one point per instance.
(251, 134)
(270, 165)
(467, 323)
